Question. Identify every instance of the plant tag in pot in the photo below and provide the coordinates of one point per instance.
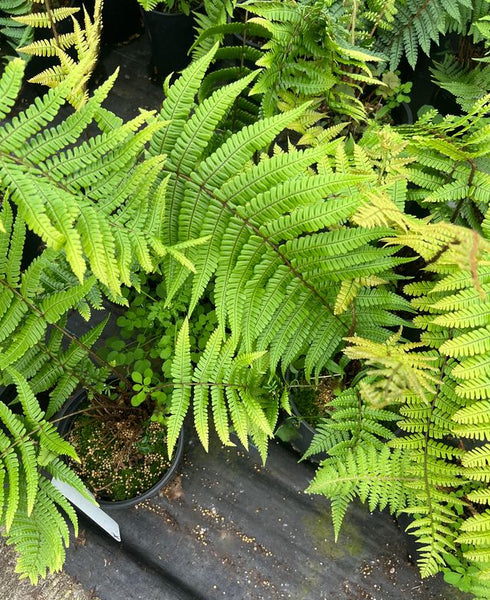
(92, 511)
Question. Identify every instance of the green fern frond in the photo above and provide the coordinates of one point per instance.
(351, 422)
(181, 375)
(371, 474)
(417, 27)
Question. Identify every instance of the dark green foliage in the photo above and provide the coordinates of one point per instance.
(449, 172)
(305, 49)
(418, 25)
(467, 84)
(16, 34)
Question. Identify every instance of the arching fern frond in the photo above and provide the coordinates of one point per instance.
(278, 250)
(225, 385)
(378, 476)
(81, 199)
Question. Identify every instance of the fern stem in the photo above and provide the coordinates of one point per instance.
(353, 23)
(52, 22)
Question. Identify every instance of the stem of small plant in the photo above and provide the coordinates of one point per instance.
(52, 22)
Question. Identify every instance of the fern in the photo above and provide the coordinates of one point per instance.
(417, 26)
(352, 422)
(449, 171)
(84, 41)
(379, 477)
(456, 311)
(307, 55)
(280, 251)
(34, 305)
(227, 384)
(81, 199)
(467, 85)
(17, 34)
(437, 386)
(34, 511)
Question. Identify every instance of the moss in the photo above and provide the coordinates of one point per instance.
(123, 453)
(312, 401)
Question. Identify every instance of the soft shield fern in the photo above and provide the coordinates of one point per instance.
(98, 206)
(437, 386)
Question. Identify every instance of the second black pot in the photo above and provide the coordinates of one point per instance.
(64, 423)
(121, 20)
(171, 35)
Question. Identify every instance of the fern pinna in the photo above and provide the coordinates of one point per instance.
(289, 278)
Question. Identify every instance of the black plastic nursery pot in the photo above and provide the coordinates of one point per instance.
(65, 421)
(121, 20)
(294, 429)
(171, 35)
(302, 433)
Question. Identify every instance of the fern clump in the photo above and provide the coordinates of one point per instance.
(291, 276)
(437, 387)
(79, 199)
(306, 54)
(312, 257)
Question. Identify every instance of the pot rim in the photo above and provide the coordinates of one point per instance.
(64, 427)
(171, 14)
